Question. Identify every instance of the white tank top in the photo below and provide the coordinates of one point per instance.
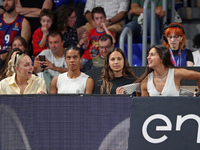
(169, 88)
(71, 86)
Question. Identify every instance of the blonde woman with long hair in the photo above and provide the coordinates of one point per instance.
(20, 79)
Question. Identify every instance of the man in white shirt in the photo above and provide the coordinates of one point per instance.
(116, 11)
(54, 62)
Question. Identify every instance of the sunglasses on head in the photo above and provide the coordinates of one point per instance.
(19, 53)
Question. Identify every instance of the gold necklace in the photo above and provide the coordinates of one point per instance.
(160, 77)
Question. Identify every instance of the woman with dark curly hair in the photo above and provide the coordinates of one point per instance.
(196, 54)
(65, 18)
(116, 72)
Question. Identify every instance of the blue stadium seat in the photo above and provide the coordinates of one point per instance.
(139, 39)
(60, 2)
(66, 2)
(80, 1)
(136, 53)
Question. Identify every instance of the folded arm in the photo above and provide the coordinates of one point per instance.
(32, 12)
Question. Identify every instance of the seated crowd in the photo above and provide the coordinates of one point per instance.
(59, 56)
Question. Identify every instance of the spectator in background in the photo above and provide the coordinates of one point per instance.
(116, 73)
(40, 36)
(105, 44)
(22, 81)
(175, 40)
(161, 77)
(196, 54)
(31, 10)
(73, 81)
(136, 10)
(20, 42)
(79, 6)
(12, 25)
(18, 45)
(1, 8)
(54, 62)
(92, 48)
(116, 11)
(65, 18)
(4, 72)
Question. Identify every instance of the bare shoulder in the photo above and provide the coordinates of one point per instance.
(55, 79)
(53, 87)
(144, 82)
(144, 91)
(90, 80)
(89, 86)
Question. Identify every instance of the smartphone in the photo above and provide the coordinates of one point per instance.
(42, 58)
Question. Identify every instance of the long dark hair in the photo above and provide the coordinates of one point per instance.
(61, 16)
(24, 43)
(108, 75)
(164, 54)
(5, 66)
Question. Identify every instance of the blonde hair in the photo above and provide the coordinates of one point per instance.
(13, 62)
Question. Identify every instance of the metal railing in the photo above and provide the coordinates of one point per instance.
(145, 19)
(127, 31)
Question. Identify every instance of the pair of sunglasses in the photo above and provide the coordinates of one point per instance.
(19, 53)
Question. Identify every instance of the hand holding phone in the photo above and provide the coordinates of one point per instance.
(42, 58)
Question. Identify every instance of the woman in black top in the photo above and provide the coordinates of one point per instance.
(65, 18)
(116, 72)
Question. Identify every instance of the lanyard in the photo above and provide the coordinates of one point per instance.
(174, 61)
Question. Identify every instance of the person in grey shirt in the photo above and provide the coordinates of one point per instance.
(54, 62)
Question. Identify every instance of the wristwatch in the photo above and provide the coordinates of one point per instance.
(110, 22)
